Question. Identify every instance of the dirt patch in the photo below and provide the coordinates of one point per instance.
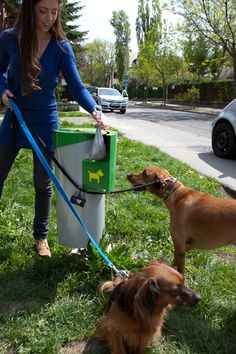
(83, 347)
(225, 257)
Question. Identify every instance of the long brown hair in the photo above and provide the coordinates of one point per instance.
(26, 29)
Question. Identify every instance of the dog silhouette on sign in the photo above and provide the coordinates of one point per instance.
(95, 175)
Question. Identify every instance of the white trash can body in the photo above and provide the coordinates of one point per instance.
(70, 231)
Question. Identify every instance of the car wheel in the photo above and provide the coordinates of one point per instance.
(223, 141)
(122, 111)
(111, 110)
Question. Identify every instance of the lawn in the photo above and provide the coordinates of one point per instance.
(51, 305)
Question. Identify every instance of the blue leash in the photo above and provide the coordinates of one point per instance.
(59, 186)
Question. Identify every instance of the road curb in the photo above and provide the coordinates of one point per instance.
(178, 108)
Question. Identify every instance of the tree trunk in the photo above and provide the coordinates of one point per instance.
(1, 15)
(234, 72)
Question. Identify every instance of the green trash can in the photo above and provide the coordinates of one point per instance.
(72, 150)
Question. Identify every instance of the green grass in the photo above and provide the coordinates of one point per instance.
(65, 114)
(48, 303)
(73, 114)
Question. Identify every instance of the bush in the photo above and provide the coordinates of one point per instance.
(192, 95)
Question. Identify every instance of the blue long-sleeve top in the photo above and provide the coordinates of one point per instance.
(41, 105)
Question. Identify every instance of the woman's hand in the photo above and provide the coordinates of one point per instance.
(6, 94)
(101, 120)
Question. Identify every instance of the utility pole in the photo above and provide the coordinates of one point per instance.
(126, 76)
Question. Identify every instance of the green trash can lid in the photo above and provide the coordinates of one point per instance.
(69, 136)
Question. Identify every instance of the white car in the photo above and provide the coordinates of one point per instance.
(224, 132)
(109, 98)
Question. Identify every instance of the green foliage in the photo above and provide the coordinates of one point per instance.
(192, 95)
(98, 63)
(120, 60)
(71, 12)
(73, 114)
(46, 304)
(215, 21)
(212, 91)
(158, 65)
(196, 52)
(121, 26)
(12, 8)
(148, 21)
(220, 91)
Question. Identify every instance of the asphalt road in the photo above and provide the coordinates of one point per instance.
(185, 136)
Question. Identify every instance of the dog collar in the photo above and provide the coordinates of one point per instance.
(168, 191)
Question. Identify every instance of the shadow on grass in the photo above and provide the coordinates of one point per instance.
(184, 331)
(82, 347)
(36, 284)
(188, 329)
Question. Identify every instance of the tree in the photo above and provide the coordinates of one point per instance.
(204, 58)
(215, 20)
(98, 63)
(71, 12)
(9, 12)
(121, 25)
(158, 63)
(148, 21)
(195, 51)
(2, 15)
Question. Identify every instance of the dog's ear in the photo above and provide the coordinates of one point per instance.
(146, 298)
(123, 297)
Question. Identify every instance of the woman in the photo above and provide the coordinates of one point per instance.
(36, 51)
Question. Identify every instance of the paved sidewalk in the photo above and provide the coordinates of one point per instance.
(206, 110)
(184, 108)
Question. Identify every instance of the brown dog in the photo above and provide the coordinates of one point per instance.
(197, 220)
(136, 307)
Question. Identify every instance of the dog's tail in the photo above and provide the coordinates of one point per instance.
(109, 286)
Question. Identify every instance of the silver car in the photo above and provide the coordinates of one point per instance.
(110, 98)
(224, 132)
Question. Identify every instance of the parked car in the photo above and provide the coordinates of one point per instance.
(91, 88)
(224, 132)
(109, 98)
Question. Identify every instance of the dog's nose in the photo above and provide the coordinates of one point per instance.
(189, 297)
(194, 300)
(197, 299)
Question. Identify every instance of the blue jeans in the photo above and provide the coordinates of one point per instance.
(42, 186)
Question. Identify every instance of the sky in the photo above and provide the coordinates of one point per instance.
(96, 17)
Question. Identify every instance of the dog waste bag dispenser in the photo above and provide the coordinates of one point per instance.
(72, 150)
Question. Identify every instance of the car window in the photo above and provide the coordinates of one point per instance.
(108, 92)
(91, 89)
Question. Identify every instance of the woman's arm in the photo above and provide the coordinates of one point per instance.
(73, 80)
(77, 88)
